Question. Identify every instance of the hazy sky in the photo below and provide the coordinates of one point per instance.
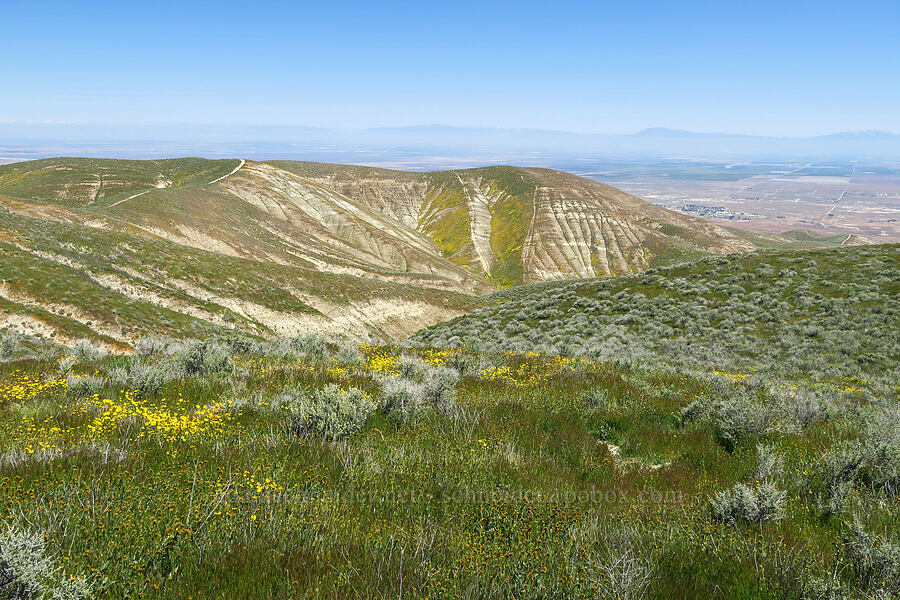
(775, 68)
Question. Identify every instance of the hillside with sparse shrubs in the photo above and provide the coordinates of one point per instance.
(828, 315)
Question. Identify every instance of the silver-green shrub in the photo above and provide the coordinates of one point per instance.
(439, 387)
(738, 419)
(28, 572)
(145, 378)
(10, 343)
(769, 464)
(745, 504)
(87, 352)
(203, 358)
(151, 347)
(332, 413)
(84, 385)
(875, 560)
(402, 397)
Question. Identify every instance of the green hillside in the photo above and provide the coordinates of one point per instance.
(114, 287)
(193, 403)
(826, 314)
(77, 182)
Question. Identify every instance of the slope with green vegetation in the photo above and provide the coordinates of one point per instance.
(828, 314)
(517, 225)
(67, 282)
(78, 182)
(298, 468)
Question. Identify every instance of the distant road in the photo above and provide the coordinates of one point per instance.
(131, 197)
(236, 169)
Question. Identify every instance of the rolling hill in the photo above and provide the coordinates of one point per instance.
(112, 248)
(827, 314)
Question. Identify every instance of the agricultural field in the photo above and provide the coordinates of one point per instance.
(236, 467)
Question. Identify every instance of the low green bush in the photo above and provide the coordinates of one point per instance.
(203, 358)
(745, 504)
(737, 420)
(402, 397)
(10, 344)
(875, 560)
(332, 412)
(27, 571)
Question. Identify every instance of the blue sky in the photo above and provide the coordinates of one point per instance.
(773, 68)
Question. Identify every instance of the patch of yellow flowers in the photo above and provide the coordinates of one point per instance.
(154, 421)
(381, 360)
(738, 377)
(535, 370)
(21, 387)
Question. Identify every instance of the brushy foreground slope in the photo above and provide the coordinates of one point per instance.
(824, 314)
(232, 468)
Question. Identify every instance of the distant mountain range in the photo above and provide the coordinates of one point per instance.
(872, 134)
(265, 141)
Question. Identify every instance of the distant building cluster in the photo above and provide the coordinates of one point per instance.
(715, 212)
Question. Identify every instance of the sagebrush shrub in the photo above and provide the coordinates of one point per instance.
(310, 345)
(332, 413)
(65, 364)
(801, 407)
(145, 378)
(10, 343)
(439, 384)
(465, 364)
(738, 419)
(87, 352)
(402, 397)
(239, 344)
(697, 410)
(614, 557)
(204, 358)
(822, 588)
(349, 355)
(85, 385)
(769, 464)
(596, 397)
(28, 572)
(872, 462)
(411, 366)
(875, 560)
(882, 444)
(150, 347)
(745, 504)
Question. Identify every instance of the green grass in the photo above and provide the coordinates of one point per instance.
(514, 495)
(445, 219)
(510, 220)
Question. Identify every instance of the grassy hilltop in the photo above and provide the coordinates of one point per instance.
(728, 427)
